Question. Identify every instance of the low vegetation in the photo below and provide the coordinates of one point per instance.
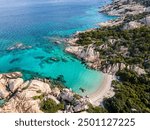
(130, 47)
(132, 93)
(96, 109)
(50, 106)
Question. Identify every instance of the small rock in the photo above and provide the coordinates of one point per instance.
(13, 75)
(66, 95)
(56, 91)
(1, 76)
(3, 92)
(14, 84)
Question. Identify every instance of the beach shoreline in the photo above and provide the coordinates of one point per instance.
(105, 90)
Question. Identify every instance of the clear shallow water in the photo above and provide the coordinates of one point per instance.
(34, 23)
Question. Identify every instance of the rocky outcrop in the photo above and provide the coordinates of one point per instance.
(122, 8)
(146, 20)
(14, 84)
(9, 81)
(136, 69)
(81, 105)
(111, 23)
(143, 2)
(11, 75)
(56, 91)
(3, 92)
(26, 97)
(66, 95)
(125, 8)
(112, 68)
(23, 100)
(86, 53)
(40, 87)
(147, 9)
(132, 25)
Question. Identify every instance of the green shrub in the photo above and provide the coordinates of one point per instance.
(38, 97)
(50, 106)
(96, 109)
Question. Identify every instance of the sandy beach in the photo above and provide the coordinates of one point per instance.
(105, 90)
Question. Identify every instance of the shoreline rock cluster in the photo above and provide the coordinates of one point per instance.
(26, 96)
(123, 7)
(86, 53)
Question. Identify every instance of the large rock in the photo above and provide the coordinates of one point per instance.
(56, 91)
(81, 105)
(66, 95)
(23, 101)
(137, 69)
(86, 53)
(39, 85)
(112, 68)
(36, 88)
(21, 104)
(3, 92)
(146, 20)
(4, 81)
(147, 9)
(111, 23)
(14, 84)
(13, 75)
(1, 75)
(132, 25)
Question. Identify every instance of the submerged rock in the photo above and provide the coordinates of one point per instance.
(20, 46)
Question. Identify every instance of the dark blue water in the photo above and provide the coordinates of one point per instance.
(34, 23)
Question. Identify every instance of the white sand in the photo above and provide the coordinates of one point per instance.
(105, 90)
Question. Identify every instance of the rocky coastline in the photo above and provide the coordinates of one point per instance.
(90, 53)
(26, 96)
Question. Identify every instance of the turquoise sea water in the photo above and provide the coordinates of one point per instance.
(34, 23)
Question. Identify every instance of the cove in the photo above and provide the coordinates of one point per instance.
(35, 24)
